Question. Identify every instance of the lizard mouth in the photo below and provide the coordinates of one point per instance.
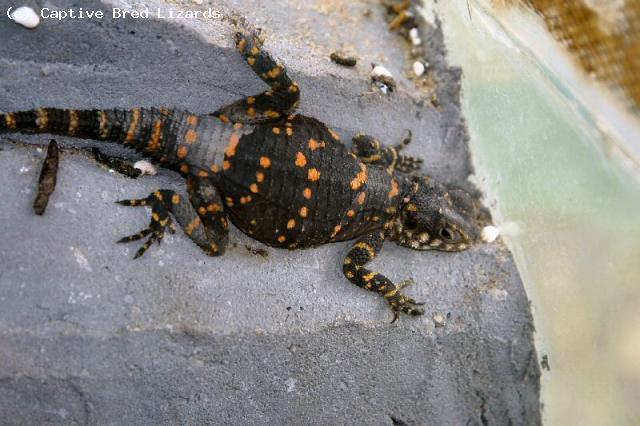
(408, 233)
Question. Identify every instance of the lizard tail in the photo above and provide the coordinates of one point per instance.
(145, 130)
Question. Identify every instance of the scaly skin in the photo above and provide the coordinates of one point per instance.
(282, 178)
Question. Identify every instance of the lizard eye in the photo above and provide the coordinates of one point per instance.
(446, 234)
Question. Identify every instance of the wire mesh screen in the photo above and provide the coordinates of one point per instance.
(604, 38)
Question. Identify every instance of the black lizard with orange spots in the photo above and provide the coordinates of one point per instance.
(282, 178)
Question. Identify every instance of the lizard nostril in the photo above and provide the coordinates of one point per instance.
(411, 224)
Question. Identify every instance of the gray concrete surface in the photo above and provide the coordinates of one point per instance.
(89, 336)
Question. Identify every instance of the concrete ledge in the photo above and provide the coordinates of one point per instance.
(87, 335)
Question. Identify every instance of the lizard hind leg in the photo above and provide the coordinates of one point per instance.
(272, 105)
(201, 216)
(160, 219)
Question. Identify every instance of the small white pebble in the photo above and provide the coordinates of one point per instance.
(414, 35)
(26, 17)
(380, 71)
(418, 68)
(490, 233)
(383, 78)
(438, 320)
(146, 168)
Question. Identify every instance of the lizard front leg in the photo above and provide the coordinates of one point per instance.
(363, 252)
(369, 150)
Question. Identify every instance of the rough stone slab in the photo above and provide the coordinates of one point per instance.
(87, 335)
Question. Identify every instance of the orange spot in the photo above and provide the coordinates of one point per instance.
(361, 198)
(191, 136)
(242, 44)
(245, 200)
(214, 168)
(226, 165)
(255, 50)
(307, 193)
(229, 201)
(289, 131)
(395, 190)
(276, 130)
(291, 224)
(234, 140)
(251, 61)
(334, 135)
(182, 151)
(313, 175)
(154, 142)
(184, 168)
(251, 100)
(301, 160)
(214, 208)
(192, 226)
(175, 199)
(265, 162)
(361, 177)
(274, 72)
(237, 126)
(314, 144)
(254, 188)
(336, 229)
(133, 127)
(203, 174)
(293, 88)
(202, 211)
(282, 238)
(259, 177)
(351, 213)
(251, 112)
(304, 212)
(272, 114)
(192, 120)
(223, 118)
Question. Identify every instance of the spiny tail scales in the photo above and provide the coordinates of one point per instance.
(152, 131)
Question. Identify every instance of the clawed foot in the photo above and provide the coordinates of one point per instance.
(407, 163)
(160, 220)
(401, 303)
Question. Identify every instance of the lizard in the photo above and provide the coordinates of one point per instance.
(282, 178)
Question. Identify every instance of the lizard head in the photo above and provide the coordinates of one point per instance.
(435, 217)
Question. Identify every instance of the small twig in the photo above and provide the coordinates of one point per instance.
(48, 178)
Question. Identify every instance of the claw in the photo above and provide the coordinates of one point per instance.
(401, 303)
(160, 220)
(406, 141)
(135, 237)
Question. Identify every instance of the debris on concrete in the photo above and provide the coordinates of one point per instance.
(344, 59)
(25, 16)
(48, 178)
